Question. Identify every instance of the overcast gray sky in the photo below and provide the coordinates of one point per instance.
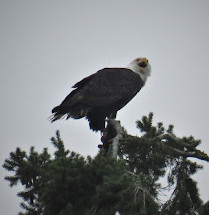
(47, 46)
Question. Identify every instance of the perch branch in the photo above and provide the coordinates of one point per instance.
(119, 135)
(111, 136)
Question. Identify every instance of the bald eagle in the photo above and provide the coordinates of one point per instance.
(102, 94)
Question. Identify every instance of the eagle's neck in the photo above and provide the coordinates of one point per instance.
(143, 73)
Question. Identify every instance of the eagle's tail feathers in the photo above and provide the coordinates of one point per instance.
(55, 117)
(75, 114)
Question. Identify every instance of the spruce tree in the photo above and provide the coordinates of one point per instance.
(204, 209)
(67, 183)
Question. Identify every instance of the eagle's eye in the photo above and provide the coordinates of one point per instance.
(142, 64)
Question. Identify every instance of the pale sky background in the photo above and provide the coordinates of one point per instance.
(47, 46)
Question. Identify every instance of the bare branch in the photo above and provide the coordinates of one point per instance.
(111, 136)
(119, 135)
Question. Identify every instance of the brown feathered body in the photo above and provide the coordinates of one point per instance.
(100, 96)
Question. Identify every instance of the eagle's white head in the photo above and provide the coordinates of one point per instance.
(142, 67)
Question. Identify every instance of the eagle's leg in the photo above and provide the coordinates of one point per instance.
(111, 135)
(106, 133)
(104, 140)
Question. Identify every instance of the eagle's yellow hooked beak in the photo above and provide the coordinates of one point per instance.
(143, 62)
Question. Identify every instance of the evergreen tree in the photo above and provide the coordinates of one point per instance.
(159, 150)
(204, 210)
(29, 171)
(67, 183)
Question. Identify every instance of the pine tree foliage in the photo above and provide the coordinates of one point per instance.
(153, 156)
(204, 210)
(29, 170)
(66, 183)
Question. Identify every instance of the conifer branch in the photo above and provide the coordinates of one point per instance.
(170, 142)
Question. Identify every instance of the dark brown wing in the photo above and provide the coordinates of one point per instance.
(106, 91)
(109, 86)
